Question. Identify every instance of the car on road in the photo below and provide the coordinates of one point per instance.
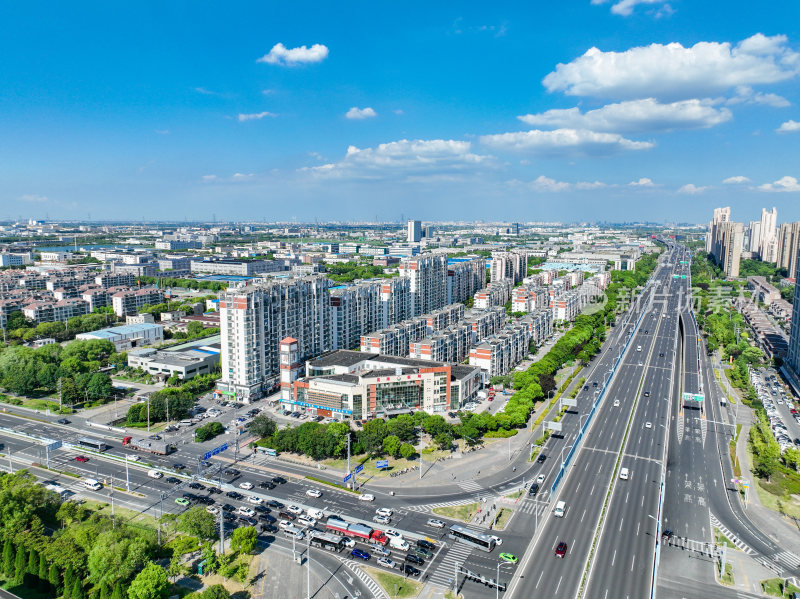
(181, 501)
(541, 458)
(234, 495)
(245, 511)
(366, 497)
(379, 549)
(266, 485)
(533, 490)
(246, 485)
(81, 458)
(391, 532)
(349, 543)
(661, 355)
(132, 458)
(306, 521)
(172, 480)
(647, 393)
(381, 519)
(623, 474)
(360, 554)
(426, 545)
(616, 403)
(316, 493)
(178, 466)
(414, 559)
(293, 509)
(284, 524)
(422, 552)
(648, 424)
(384, 511)
(561, 549)
(508, 558)
(409, 569)
(387, 563)
(264, 527)
(498, 541)
(254, 500)
(275, 504)
(278, 480)
(231, 472)
(261, 509)
(62, 421)
(540, 479)
(435, 523)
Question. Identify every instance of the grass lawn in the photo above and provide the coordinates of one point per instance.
(23, 591)
(128, 515)
(777, 587)
(406, 587)
(772, 495)
(515, 494)
(465, 512)
(721, 539)
(503, 516)
(727, 577)
(370, 469)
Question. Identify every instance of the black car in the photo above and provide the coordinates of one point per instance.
(205, 500)
(661, 355)
(172, 480)
(414, 559)
(264, 527)
(179, 466)
(594, 383)
(214, 490)
(266, 485)
(232, 472)
(247, 520)
(190, 496)
(533, 490)
(426, 545)
(266, 518)
(288, 516)
(261, 509)
(586, 387)
(234, 495)
(541, 458)
(409, 569)
(197, 486)
(227, 507)
(645, 331)
(647, 394)
(278, 480)
(62, 421)
(228, 517)
(275, 504)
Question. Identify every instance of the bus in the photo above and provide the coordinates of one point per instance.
(327, 541)
(93, 444)
(470, 537)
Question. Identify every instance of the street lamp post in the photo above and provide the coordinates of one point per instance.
(308, 564)
(562, 454)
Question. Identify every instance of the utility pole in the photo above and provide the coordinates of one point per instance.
(348, 456)
(148, 413)
(221, 533)
(308, 564)
(113, 520)
(60, 396)
(127, 477)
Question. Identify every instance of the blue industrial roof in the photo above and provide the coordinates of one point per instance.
(125, 329)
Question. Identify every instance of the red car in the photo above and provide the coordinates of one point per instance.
(81, 458)
(561, 550)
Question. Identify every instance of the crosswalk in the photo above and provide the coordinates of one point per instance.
(457, 554)
(428, 507)
(469, 486)
(732, 537)
(374, 588)
(788, 559)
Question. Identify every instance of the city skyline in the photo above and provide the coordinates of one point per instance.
(625, 111)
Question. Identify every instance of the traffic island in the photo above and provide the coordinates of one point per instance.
(396, 586)
(778, 587)
(463, 513)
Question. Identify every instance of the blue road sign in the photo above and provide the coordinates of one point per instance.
(206, 455)
(358, 469)
(348, 477)
(215, 451)
(223, 447)
(382, 463)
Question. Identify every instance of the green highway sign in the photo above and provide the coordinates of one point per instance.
(693, 397)
(683, 276)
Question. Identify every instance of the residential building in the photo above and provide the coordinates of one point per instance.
(464, 278)
(788, 247)
(128, 302)
(427, 276)
(768, 242)
(53, 311)
(414, 231)
(355, 310)
(497, 293)
(721, 215)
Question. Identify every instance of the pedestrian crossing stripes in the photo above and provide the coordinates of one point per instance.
(427, 508)
(732, 537)
(680, 427)
(470, 485)
(368, 581)
(788, 559)
(703, 429)
(456, 554)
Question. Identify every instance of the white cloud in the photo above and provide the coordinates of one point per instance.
(673, 71)
(642, 182)
(207, 178)
(398, 111)
(162, 131)
(242, 176)
(563, 141)
(692, 189)
(235, 178)
(789, 126)
(356, 113)
(783, 184)
(746, 95)
(33, 198)
(635, 116)
(625, 7)
(256, 116)
(403, 158)
(282, 55)
(736, 180)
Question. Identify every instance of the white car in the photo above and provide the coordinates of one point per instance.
(254, 500)
(648, 424)
(154, 474)
(435, 523)
(212, 509)
(246, 486)
(379, 549)
(314, 493)
(498, 541)
(349, 543)
(246, 511)
(381, 519)
(133, 458)
(293, 509)
(391, 532)
(616, 403)
(306, 521)
(284, 524)
(366, 497)
(315, 513)
(386, 562)
(384, 511)
(540, 479)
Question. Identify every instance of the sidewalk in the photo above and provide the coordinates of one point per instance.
(781, 529)
(747, 572)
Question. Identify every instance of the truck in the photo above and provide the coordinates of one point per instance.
(156, 446)
(353, 529)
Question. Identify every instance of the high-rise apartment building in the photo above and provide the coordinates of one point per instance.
(464, 279)
(768, 242)
(355, 310)
(793, 355)
(427, 277)
(508, 265)
(754, 240)
(788, 246)
(721, 215)
(414, 231)
(728, 250)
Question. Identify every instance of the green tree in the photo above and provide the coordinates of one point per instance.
(8, 559)
(373, 434)
(150, 583)
(77, 589)
(215, 591)
(42, 572)
(262, 426)
(402, 427)
(198, 523)
(33, 563)
(391, 445)
(407, 450)
(195, 329)
(244, 539)
(208, 431)
(118, 592)
(210, 557)
(116, 555)
(54, 578)
(19, 566)
(444, 440)
(69, 581)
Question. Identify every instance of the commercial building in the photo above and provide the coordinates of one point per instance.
(414, 233)
(763, 291)
(128, 336)
(176, 244)
(240, 268)
(184, 364)
(15, 259)
(357, 385)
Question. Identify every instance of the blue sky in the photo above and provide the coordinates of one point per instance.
(583, 110)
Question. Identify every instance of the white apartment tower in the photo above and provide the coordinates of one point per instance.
(414, 231)
(768, 243)
(427, 277)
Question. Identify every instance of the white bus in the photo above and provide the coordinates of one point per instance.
(477, 539)
(92, 484)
